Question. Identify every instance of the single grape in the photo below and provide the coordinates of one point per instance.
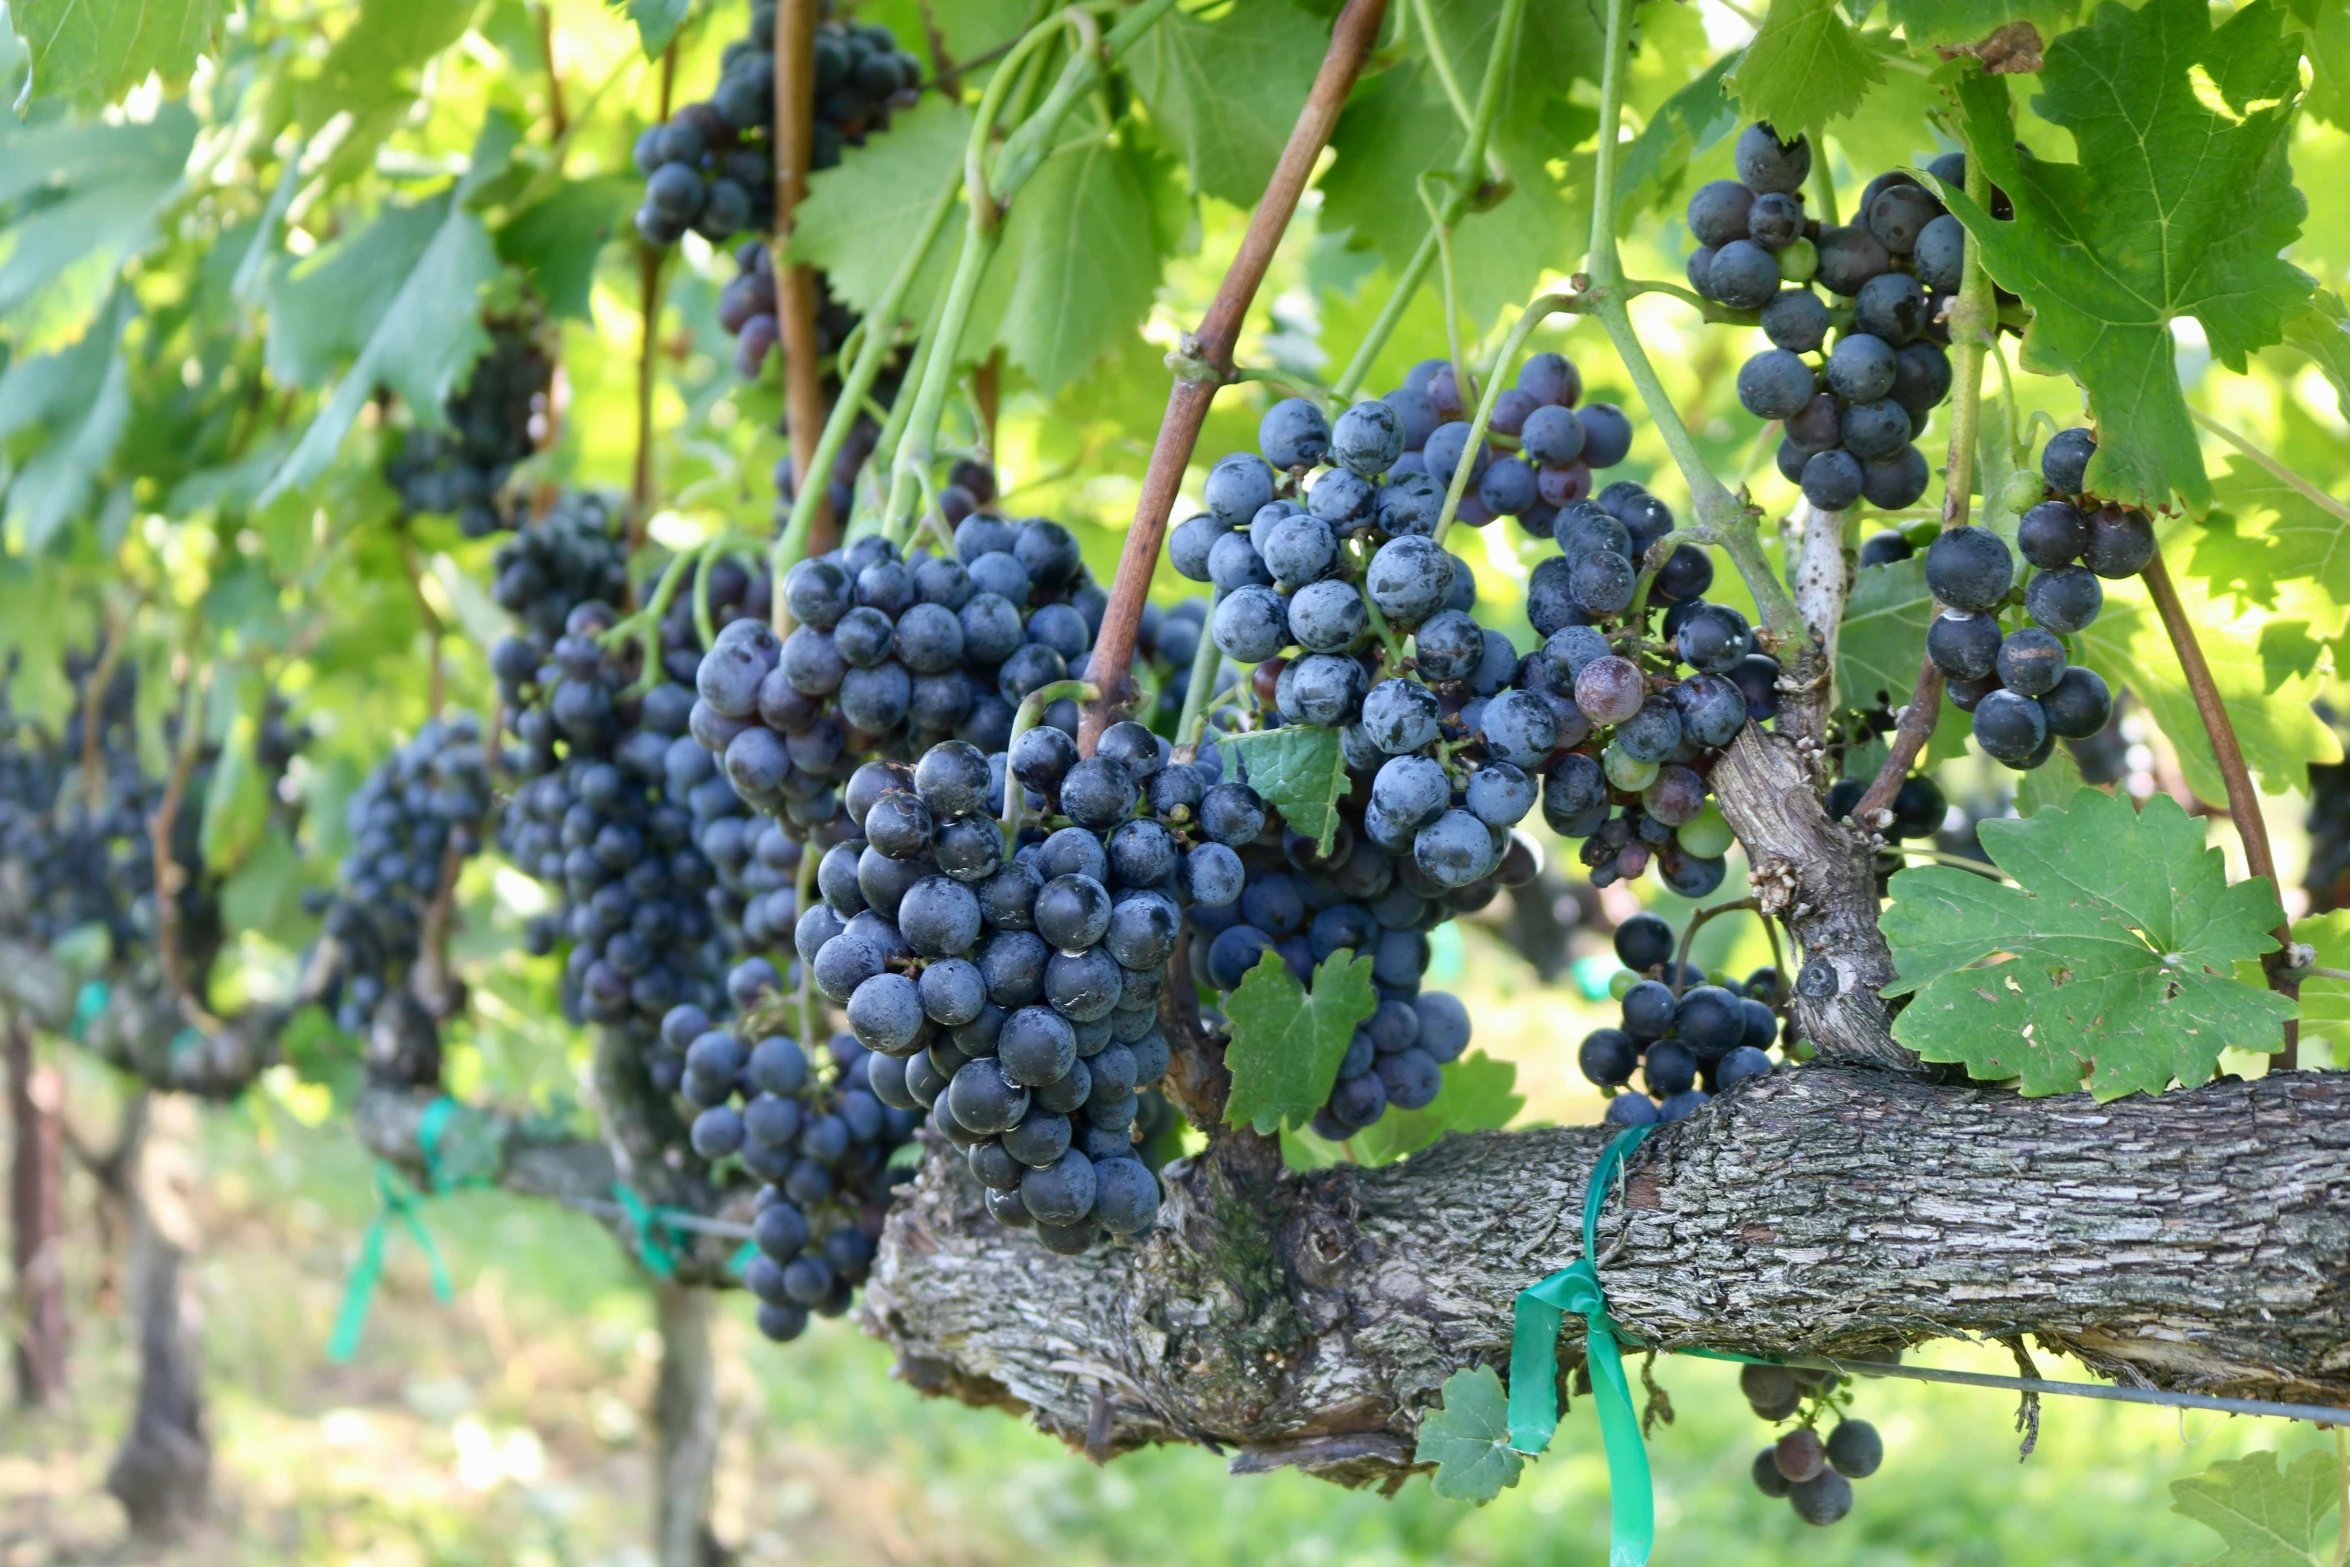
(1771, 166)
(1294, 434)
(2009, 727)
(1862, 367)
(1717, 212)
(2064, 462)
(1832, 480)
(1794, 319)
(1969, 568)
(2079, 704)
(2065, 600)
(1776, 384)
(1743, 275)
(1848, 257)
(2121, 542)
(1368, 437)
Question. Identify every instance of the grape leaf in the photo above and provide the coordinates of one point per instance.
(2291, 539)
(863, 214)
(2050, 785)
(425, 340)
(1883, 634)
(1479, 1095)
(2267, 680)
(1468, 1439)
(2323, 333)
(2264, 1516)
(2179, 206)
(657, 21)
(555, 241)
(1806, 66)
(236, 803)
(1224, 94)
(1080, 261)
(1969, 21)
(372, 65)
(1287, 1041)
(2113, 958)
(100, 188)
(323, 310)
(2325, 39)
(1300, 771)
(79, 399)
(94, 51)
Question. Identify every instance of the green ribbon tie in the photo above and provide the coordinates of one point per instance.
(1534, 1405)
(403, 1204)
(645, 1223)
(88, 1002)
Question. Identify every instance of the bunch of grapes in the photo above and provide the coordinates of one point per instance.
(573, 555)
(1852, 418)
(814, 1136)
(841, 487)
(1689, 1039)
(747, 308)
(893, 654)
(2018, 684)
(419, 816)
(69, 862)
(602, 822)
(2328, 879)
(1015, 996)
(1815, 1475)
(494, 423)
(711, 168)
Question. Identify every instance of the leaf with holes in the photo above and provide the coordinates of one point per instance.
(1468, 1439)
(2179, 206)
(2265, 1516)
(1287, 1041)
(1806, 66)
(1299, 771)
(2111, 963)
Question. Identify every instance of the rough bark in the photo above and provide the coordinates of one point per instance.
(685, 1420)
(36, 1220)
(2200, 1240)
(162, 1473)
(1819, 878)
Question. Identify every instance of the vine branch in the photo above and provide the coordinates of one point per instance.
(2243, 798)
(1210, 349)
(795, 282)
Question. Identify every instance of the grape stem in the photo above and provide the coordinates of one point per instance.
(1731, 522)
(795, 282)
(436, 678)
(1973, 318)
(806, 894)
(162, 828)
(1029, 715)
(986, 197)
(1204, 362)
(2315, 971)
(118, 636)
(1206, 665)
(2243, 798)
(1698, 919)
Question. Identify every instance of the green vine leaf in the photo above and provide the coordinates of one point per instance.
(2264, 1516)
(657, 21)
(2110, 963)
(2270, 534)
(1687, 124)
(2325, 40)
(2323, 333)
(1806, 66)
(1287, 1041)
(1468, 1439)
(1883, 634)
(1224, 94)
(372, 67)
(2179, 206)
(863, 214)
(94, 51)
(555, 240)
(62, 416)
(1968, 21)
(1479, 1095)
(96, 192)
(1299, 771)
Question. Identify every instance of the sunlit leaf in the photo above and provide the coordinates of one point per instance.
(1468, 1439)
(1287, 1040)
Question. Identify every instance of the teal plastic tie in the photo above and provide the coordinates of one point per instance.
(1534, 1405)
(88, 1002)
(402, 1204)
(645, 1223)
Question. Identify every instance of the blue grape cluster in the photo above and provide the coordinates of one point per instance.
(604, 822)
(1814, 1475)
(492, 424)
(1688, 1039)
(574, 555)
(811, 1131)
(1015, 996)
(420, 815)
(747, 308)
(67, 862)
(2019, 683)
(710, 169)
(891, 654)
(1852, 413)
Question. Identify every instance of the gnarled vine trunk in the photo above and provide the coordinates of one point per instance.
(685, 1423)
(36, 1219)
(2197, 1241)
